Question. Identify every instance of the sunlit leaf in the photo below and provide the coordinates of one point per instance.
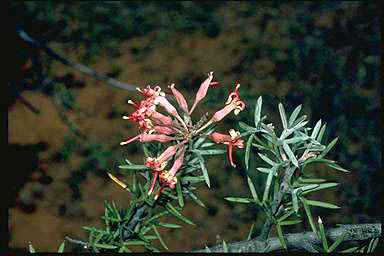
(283, 116)
(247, 150)
(237, 199)
(159, 237)
(328, 148)
(258, 110)
(290, 154)
(294, 115)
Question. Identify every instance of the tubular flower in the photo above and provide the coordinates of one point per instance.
(170, 127)
(179, 98)
(230, 140)
(233, 104)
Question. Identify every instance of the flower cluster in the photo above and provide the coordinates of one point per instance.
(155, 126)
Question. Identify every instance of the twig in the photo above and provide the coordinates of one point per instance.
(77, 66)
(303, 241)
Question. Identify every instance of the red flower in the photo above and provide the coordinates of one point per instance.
(230, 140)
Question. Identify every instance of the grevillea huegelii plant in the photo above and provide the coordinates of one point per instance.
(174, 146)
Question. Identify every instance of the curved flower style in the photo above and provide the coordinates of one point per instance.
(230, 140)
(155, 126)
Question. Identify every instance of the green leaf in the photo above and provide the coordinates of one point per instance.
(307, 180)
(207, 249)
(264, 170)
(316, 129)
(61, 247)
(290, 154)
(247, 150)
(159, 237)
(238, 199)
(134, 167)
(286, 215)
(203, 169)
(321, 133)
(328, 148)
(177, 214)
(253, 190)
(322, 235)
(294, 115)
(321, 186)
(290, 222)
(309, 215)
(192, 179)
(168, 225)
(134, 242)
(247, 128)
(31, 248)
(250, 231)
(322, 204)
(295, 203)
(283, 116)
(105, 246)
(268, 184)
(207, 144)
(336, 167)
(179, 194)
(266, 159)
(281, 236)
(336, 243)
(258, 110)
(197, 200)
(211, 151)
(349, 250)
(151, 247)
(225, 247)
(372, 245)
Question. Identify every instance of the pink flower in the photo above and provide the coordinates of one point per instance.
(179, 98)
(202, 92)
(163, 129)
(155, 137)
(230, 140)
(233, 104)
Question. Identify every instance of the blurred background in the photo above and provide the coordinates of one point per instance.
(64, 127)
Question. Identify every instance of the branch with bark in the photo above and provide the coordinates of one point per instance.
(304, 240)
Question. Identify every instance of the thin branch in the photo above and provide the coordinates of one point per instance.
(77, 66)
(305, 240)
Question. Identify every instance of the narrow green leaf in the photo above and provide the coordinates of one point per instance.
(196, 199)
(238, 199)
(281, 236)
(253, 190)
(268, 185)
(336, 167)
(225, 247)
(322, 235)
(134, 167)
(264, 170)
(290, 222)
(349, 250)
(207, 249)
(151, 247)
(159, 237)
(316, 130)
(212, 151)
(105, 246)
(307, 180)
(203, 169)
(267, 160)
(246, 127)
(207, 144)
(321, 186)
(192, 179)
(177, 214)
(168, 225)
(134, 242)
(179, 194)
(61, 247)
(374, 245)
(322, 204)
(31, 248)
(286, 215)
(294, 115)
(321, 133)
(295, 203)
(247, 150)
(258, 110)
(283, 116)
(336, 243)
(290, 154)
(198, 142)
(309, 215)
(250, 231)
(328, 148)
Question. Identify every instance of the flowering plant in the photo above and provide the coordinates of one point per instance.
(155, 126)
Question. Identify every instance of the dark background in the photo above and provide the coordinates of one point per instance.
(64, 127)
